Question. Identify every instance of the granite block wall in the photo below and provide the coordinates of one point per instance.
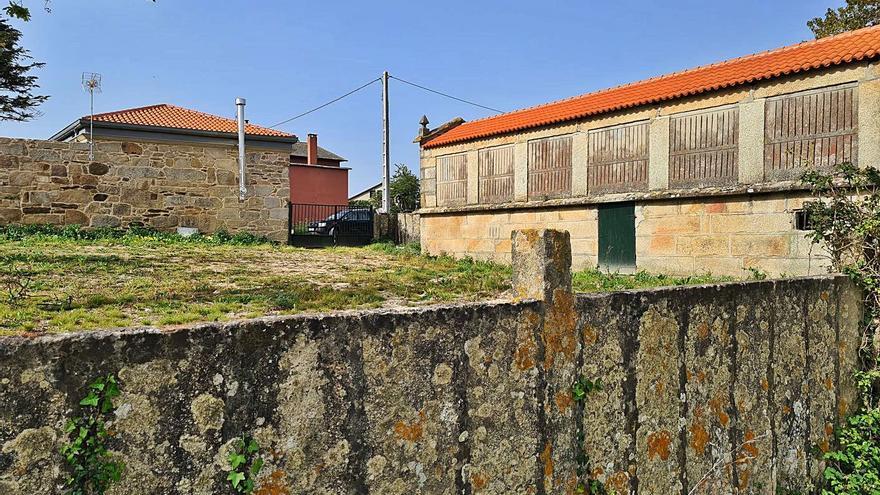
(158, 185)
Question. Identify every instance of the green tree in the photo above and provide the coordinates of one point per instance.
(405, 189)
(17, 84)
(854, 15)
(19, 11)
(17, 100)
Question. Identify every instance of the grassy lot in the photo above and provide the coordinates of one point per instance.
(65, 280)
(57, 284)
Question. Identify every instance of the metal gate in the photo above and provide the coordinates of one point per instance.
(329, 225)
(617, 237)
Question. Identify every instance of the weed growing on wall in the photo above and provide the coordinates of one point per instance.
(586, 484)
(92, 468)
(845, 219)
(246, 465)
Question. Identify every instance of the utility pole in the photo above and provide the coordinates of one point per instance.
(386, 148)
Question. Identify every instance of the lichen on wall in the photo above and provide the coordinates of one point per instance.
(719, 389)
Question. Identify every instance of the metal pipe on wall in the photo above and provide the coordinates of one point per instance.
(242, 183)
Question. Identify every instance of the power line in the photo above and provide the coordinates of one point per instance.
(446, 95)
(326, 104)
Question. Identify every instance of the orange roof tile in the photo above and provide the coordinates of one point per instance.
(164, 115)
(853, 46)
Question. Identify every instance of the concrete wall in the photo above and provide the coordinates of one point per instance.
(462, 399)
(160, 185)
(751, 180)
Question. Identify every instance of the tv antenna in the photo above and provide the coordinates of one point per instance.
(91, 82)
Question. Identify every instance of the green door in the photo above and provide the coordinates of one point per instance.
(617, 237)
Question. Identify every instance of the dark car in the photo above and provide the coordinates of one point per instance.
(357, 222)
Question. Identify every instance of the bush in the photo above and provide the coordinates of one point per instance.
(845, 219)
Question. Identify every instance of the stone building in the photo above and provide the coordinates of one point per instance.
(165, 166)
(316, 175)
(689, 172)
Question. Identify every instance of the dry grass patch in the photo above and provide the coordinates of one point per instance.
(54, 284)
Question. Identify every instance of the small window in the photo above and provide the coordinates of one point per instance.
(802, 220)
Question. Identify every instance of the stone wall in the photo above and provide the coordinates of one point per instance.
(726, 236)
(486, 235)
(722, 388)
(722, 235)
(158, 185)
(408, 225)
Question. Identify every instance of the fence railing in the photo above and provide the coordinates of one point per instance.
(352, 224)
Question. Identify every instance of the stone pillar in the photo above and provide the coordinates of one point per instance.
(521, 171)
(579, 185)
(429, 180)
(751, 142)
(658, 154)
(384, 226)
(869, 123)
(541, 263)
(473, 177)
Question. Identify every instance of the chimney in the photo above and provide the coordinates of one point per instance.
(312, 157)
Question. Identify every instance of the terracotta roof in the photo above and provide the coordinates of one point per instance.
(853, 46)
(165, 115)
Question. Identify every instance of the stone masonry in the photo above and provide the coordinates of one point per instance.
(727, 235)
(486, 234)
(732, 388)
(158, 185)
(684, 225)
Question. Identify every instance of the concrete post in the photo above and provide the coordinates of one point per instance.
(658, 151)
(541, 262)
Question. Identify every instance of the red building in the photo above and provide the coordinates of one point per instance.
(317, 176)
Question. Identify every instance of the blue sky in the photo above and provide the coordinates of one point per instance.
(286, 57)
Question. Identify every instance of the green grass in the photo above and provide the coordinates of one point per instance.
(597, 281)
(83, 280)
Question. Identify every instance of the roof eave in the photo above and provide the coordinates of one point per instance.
(176, 130)
(67, 132)
(377, 186)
